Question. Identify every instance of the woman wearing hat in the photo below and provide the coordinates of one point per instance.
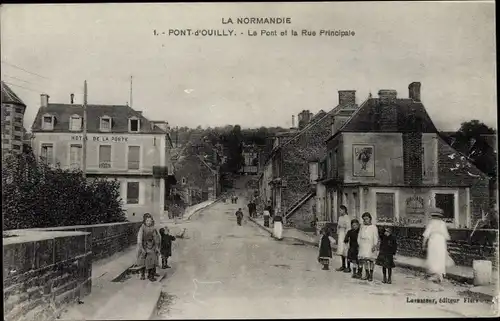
(435, 237)
(146, 231)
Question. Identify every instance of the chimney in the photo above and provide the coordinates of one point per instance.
(414, 91)
(347, 97)
(304, 118)
(44, 100)
(72, 98)
(293, 121)
(387, 94)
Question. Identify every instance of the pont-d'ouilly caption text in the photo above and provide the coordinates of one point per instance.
(269, 29)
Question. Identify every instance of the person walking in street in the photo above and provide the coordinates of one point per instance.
(435, 237)
(342, 228)
(388, 248)
(249, 205)
(278, 226)
(166, 247)
(267, 215)
(325, 248)
(146, 232)
(351, 241)
(368, 240)
(239, 216)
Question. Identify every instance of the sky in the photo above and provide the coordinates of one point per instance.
(252, 81)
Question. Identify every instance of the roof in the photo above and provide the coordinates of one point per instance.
(398, 115)
(118, 113)
(9, 96)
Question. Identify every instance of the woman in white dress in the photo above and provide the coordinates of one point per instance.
(435, 237)
(344, 224)
(367, 241)
(278, 226)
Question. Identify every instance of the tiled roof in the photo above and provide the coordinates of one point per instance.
(399, 115)
(119, 115)
(9, 96)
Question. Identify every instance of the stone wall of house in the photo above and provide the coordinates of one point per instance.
(462, 247)
(305, 215)
(44, 271)
(466, 174)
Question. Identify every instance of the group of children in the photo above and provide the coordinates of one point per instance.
(152, 244)
(358, 248)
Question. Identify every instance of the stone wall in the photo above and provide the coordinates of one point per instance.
(44, 271)
(107, 239)
(462, 248)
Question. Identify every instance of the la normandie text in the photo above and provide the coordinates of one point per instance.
(258, 21)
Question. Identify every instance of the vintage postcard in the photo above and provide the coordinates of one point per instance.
(249, 160)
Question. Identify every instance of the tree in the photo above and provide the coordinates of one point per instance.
(36, 195)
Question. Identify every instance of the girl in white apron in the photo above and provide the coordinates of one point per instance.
(278, 226)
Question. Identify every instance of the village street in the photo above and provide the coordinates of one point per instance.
(227, 271)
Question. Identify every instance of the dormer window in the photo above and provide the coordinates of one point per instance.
(75, 123)
(105, 124)
(48, 122)
(133, 125)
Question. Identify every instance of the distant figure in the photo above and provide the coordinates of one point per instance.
(239, 216)
(166, 247)
(351, 242)
(368, 240)
(270, 208)
(342, 228)
(146, 232)
(388, 248)
(435, 236)
(267, 215)
(325, 248)
(278, 226)
(151, 259)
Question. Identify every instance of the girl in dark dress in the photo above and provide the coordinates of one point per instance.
(325, 248)
(388, 248)
(165, 247)
(351, 240)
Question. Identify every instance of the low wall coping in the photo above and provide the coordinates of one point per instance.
(56, 228)
(24, 236)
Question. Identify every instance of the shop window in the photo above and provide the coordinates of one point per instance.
(446, 202)
(386, 212)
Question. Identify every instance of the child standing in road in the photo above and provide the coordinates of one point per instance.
(151, 259)
(239, 216)
(351, 241)
(325, 248)
(165, 247)
(388, 248)
(367, 241)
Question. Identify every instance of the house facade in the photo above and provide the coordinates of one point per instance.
(388, 159)
(12, 116)
(198, 175)
(295, 164)
(121, 144)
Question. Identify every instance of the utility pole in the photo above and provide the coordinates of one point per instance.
(130, 91)
(84, 151)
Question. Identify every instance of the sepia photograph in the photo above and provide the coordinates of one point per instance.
(253, 160)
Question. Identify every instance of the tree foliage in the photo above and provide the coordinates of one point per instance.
(35, 195)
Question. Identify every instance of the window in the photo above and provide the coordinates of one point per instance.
(75, 123)
(133, 125)
(105, 124)
(75, 155)
(17, 128)
(184, 181)
(47, 153)
(446, 202)
(132, 192)
(18, 119)
(19, 110)
(134, 157)
(16, 137)
(48, 123)
(16, 147)
(7, 113)
(385, 207)
(5, 141)
(105, 156)
(335, 163)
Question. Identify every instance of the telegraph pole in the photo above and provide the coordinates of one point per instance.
(84, 156)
